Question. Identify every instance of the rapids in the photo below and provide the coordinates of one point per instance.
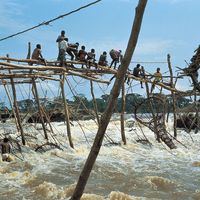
(134, 171)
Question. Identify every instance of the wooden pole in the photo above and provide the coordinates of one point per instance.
(35, 94)
(123, 103)
(62, 81)
(10, 101)
(197, 121)
(16, 107)
(173, 94)
(94, 102)
(17, 111)
(29, 51)
(105, 118)
(155, 127)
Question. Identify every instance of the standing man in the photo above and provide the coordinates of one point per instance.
(59, 39)
(62, 51)
(116, 57)
(72, 50)
(137, 70)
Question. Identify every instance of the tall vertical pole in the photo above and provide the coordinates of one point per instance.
(197, 120)
(94, 102)
(123, 103)
(105, 118)
(155, 123)
(173, 94)
(35, 94)
(11, 105)
(16, 108)
(62, 79)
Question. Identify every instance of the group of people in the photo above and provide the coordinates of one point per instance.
(72, 49)
(89, 58)
(139, 72)
(82, 55)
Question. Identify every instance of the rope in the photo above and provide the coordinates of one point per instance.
(49, 21)
(159, 62)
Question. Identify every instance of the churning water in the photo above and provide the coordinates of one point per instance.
(121, 172)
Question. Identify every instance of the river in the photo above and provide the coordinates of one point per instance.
(134, 171)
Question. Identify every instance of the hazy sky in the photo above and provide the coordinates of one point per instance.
(169, 26)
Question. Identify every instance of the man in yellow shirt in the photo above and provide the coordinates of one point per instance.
(157, 78)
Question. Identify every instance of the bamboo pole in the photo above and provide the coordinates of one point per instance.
(66, 109)
(29, 51)
(11, 105)
(123, 103)
(35, 94)
(173, 95)
(155, 126)
(16, 108)
(84, 73)
(105, 118)
(197, 120)
(94, 102)
(17, 111)
(8, 76)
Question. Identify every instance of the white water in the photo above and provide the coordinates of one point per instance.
(134, 171)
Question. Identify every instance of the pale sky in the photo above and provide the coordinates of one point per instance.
(169, 26)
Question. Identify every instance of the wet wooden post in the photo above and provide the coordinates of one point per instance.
(48, 119)
(35, 94)
(94, 102)
(105, 118)
(173, 94)
(66, 109)
(11, 105)
(168, 109)
(16, 107)
(123, 104)
(197, 120)
(151, 108)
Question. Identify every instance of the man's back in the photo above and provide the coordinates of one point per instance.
(5, 148)
(136, 71)
(36, 54)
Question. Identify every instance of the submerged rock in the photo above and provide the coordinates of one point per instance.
(187, 121)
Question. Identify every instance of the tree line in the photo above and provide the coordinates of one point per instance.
(80, 101)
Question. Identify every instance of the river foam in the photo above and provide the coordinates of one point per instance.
(122, 172)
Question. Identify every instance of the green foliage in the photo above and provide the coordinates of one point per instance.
(183, 102)
(26, 105)
(81, 102)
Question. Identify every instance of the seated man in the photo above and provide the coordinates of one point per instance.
(138, 72)
(103, 59)
(37, 54)
(157, 78)
(91, 57)
(6, 147)
(82, 55)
